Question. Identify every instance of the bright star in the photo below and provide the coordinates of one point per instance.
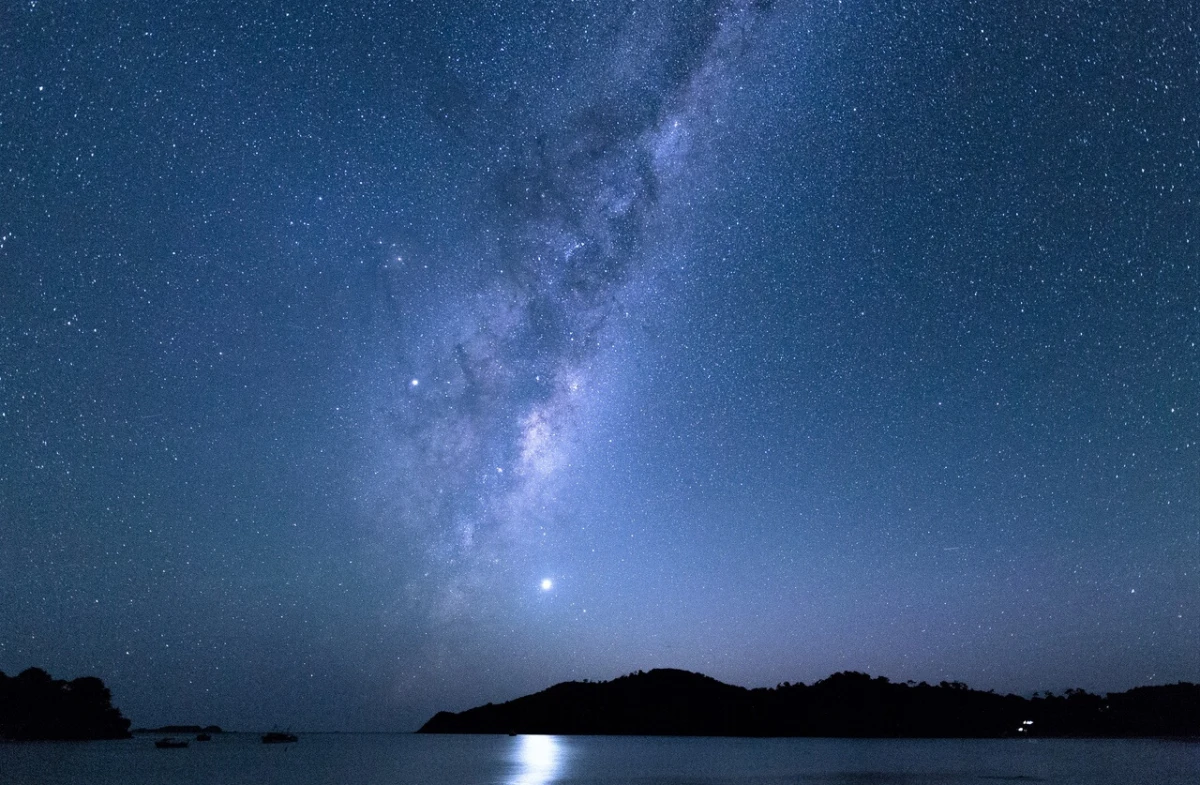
(547, 584)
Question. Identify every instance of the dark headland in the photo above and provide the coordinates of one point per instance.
(679, 703)
(35, 706)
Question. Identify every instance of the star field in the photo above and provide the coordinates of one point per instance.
(363, 360)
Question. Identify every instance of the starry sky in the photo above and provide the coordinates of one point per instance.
(364, 359)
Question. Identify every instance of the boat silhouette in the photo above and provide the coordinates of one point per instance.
(276, 737)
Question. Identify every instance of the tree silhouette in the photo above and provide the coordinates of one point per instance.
(33, 705)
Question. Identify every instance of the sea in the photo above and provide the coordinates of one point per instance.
(411, 759)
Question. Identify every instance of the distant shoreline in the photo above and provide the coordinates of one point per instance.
(846, 705)
(182, 729)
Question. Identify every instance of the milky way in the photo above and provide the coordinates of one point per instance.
(480, 436)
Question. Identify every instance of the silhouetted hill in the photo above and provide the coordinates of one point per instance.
(35, 706)
(679, 703)
(662, 702)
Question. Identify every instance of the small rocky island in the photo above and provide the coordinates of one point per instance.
(678, 703)
(35, 706)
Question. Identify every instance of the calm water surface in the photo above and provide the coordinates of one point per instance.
(382, 759)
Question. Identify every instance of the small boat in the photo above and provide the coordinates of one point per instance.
(275, 737)
(171, 743)
(203, 737)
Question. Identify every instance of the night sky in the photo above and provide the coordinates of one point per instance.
(364, 359)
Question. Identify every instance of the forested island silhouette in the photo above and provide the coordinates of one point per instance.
(35, 706)
(669, 702)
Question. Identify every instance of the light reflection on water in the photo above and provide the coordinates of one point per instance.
(537, 760)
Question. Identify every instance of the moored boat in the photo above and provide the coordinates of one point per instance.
(276, 737)
(171, 743)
